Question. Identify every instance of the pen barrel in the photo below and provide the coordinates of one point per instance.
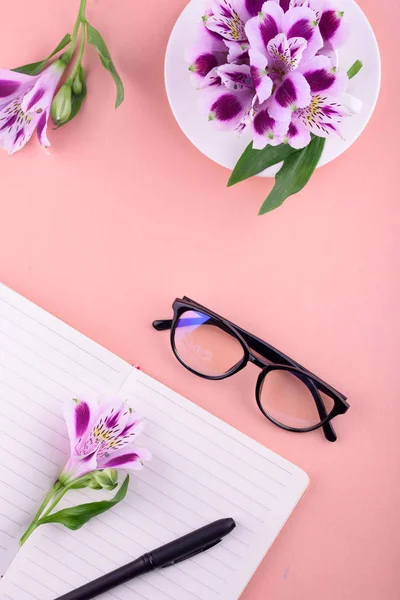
(105, 583)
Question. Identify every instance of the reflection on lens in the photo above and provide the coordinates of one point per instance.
(204, 346)
(288, 400)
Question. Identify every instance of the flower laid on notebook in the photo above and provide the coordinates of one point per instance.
(27, 93)
(101, 437)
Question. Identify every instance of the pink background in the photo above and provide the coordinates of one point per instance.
(125, 214)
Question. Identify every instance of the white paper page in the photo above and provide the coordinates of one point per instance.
(42, 362)
(202, 470)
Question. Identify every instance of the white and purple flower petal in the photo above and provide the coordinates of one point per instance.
(333, 28)
(211, 80)
(293, 93)
(78, 466)
(298, 135)
(321, 77)
(13, 85)
(260, 75)
(237, 51)
(202, 61)
(236, 77)
(265, 26)
(224, 108)
(253, 7)
(40, 97)
(285, 54)
(79, 417)
(225, 21)
(301, 22)
(266, 130)
(129, 458)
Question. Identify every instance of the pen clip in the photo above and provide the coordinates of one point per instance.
(191, 554)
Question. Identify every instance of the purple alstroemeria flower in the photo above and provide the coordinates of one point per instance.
(101, 437)
(25, 103)
(325, 112)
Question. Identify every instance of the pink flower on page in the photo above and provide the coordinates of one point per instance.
(101, 437)
(25, 103)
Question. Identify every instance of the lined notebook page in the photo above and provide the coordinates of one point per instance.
(42, 362)
(202, 470)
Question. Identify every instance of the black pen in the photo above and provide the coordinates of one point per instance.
(185, 547)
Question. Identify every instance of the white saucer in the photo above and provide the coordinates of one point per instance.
(225, 148)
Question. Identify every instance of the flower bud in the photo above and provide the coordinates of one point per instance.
(106, 480)
(77, 86)
(62, 105)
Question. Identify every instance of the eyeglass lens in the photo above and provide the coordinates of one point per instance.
(204, 346)
(288, 400)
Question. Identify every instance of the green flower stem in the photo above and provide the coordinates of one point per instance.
(80, 19)
(54, 490)
(78, 63)
(61, 494)
(58, 490)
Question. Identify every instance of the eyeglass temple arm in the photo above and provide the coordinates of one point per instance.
(272, 354)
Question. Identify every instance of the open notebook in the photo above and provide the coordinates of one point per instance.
(202, 470)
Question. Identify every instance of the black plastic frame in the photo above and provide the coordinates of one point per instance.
(274, 360)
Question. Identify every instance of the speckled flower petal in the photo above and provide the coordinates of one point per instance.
(226, 21)
(285, 54)
(236, 77)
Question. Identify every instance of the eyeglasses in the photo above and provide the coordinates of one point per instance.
(287, 394)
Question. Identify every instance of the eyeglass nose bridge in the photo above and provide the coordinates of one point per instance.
(256, 360)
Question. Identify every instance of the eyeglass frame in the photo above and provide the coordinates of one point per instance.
(278, 361)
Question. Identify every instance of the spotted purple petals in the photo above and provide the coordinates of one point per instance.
(8, 87)
(9, 123)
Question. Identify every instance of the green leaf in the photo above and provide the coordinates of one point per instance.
(37, 67)
(77, 99)
(252, 162)
(97, 41)
(295, 174)
(77, 516)
(354, 69)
